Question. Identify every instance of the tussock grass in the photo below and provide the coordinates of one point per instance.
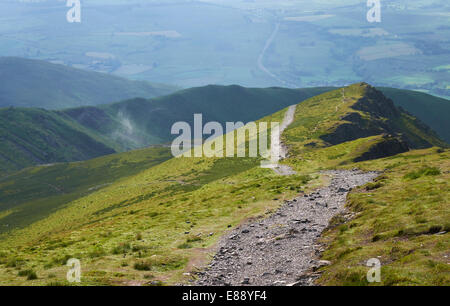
(29, 273)
(155, 220)
(422, 172)
(404, 222)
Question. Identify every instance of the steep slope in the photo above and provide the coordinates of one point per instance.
(139, 123)
(36, 136)
(392, 218)
(351, 124)
(35, 83)
(160, 223)
(433, 111)
(149, 221)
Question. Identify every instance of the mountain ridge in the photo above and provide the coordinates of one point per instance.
(138, 122)
(130, 124)
(352, 124)
(377, 114)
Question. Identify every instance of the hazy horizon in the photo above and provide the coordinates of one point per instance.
(250, 43)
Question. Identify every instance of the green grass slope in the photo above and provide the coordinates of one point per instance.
(37, 136)
(403, 219)
(35, 83)
(36, 192)
(154, 225)
(151, 226)
(137, 123)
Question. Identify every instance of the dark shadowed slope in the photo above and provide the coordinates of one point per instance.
(433, 111)
(36, 136)
(139, 122)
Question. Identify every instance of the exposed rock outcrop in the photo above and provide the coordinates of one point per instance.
(389, 146)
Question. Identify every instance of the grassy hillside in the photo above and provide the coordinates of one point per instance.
(34, 193)
(398, 217)
(139, 122)
(34, 83)
(147, 227)
(38, 136)
(153, 226)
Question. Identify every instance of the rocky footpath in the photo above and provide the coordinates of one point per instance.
(282, 249)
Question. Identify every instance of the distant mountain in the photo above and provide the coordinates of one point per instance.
(37, 136)
(35, 83)
(139, 122)
(433, 111)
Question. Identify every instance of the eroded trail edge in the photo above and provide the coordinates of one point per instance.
(278, 149)
(281, 248)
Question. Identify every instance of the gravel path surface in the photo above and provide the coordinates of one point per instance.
(282, 248)
(278, 149)
(287, 120)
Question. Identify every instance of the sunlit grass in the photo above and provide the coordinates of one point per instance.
(403, 220)
(139, 219)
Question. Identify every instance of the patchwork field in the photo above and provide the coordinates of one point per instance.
(186, 43)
